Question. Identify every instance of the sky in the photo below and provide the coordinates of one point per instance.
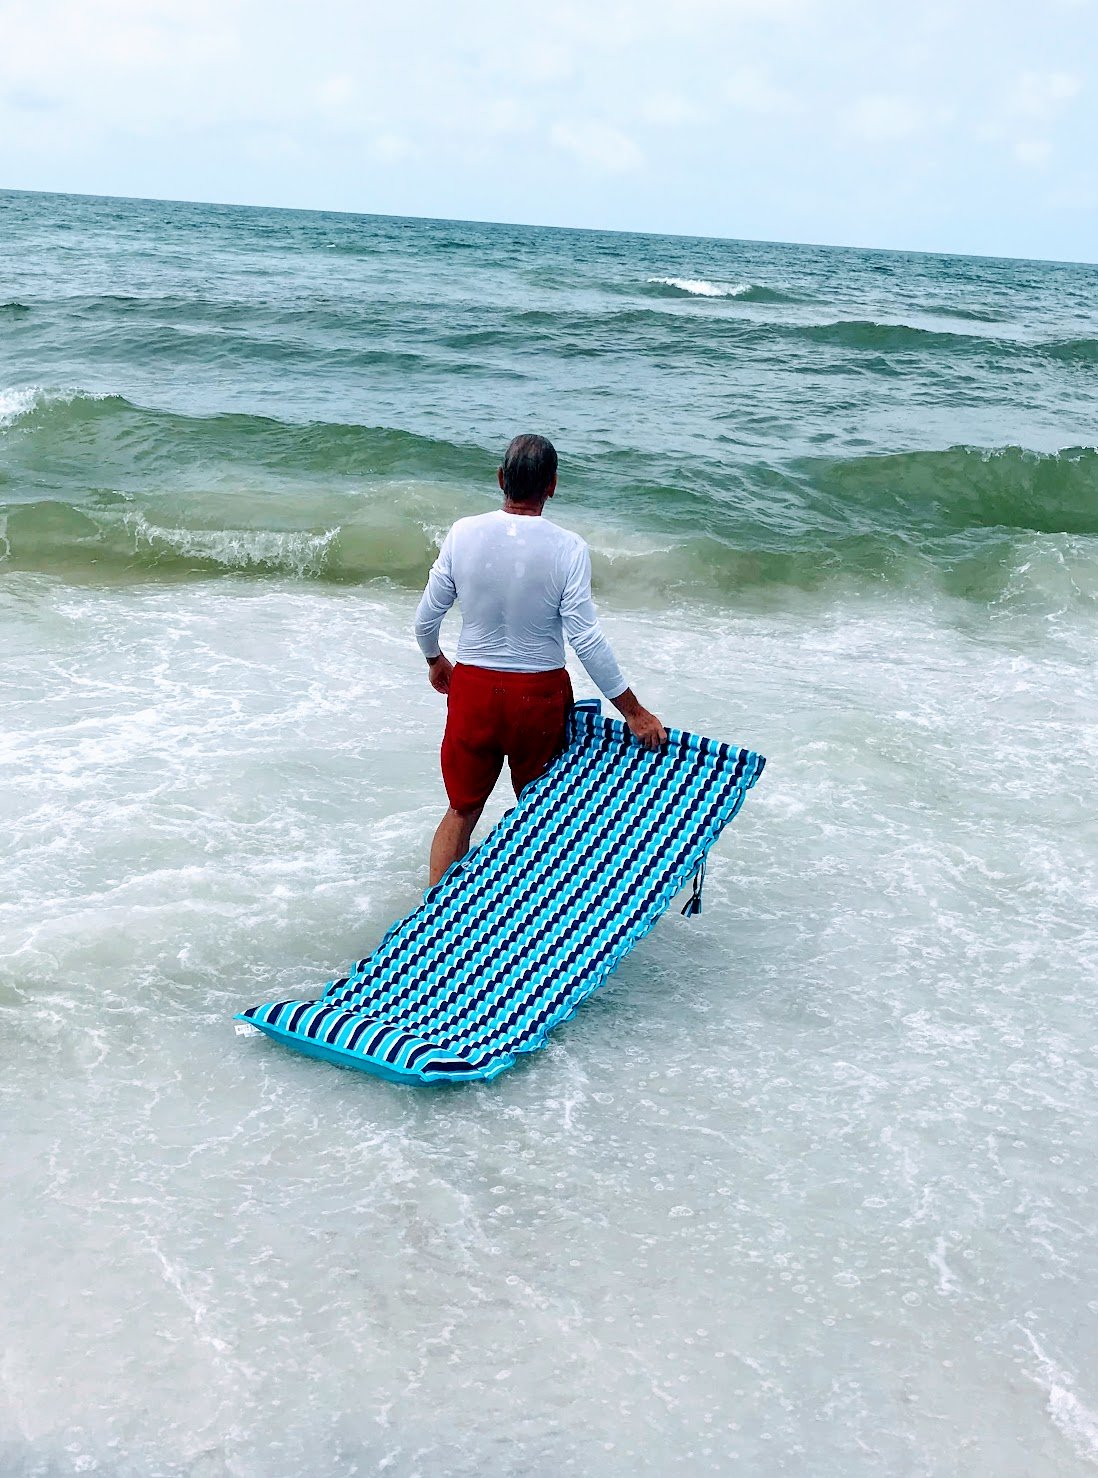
(959, 127)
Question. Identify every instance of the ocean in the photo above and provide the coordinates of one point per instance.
(808, 1187)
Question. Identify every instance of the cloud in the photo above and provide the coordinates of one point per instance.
(1030, 113)
(613, 24)
(547, 62)
(391, 148)
(501, 116)
(273, 146)
(64, 40)
(888, 118)
(1077, 193)
(335, 92)
(30, 100)
(130, 63)
(670, 110)
(1042, 95)
(598, 145)
(751, 90)
(1033, 151)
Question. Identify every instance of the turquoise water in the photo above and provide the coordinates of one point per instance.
(180, 371)
(808, 1188)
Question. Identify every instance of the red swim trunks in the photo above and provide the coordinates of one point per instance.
(492, 716)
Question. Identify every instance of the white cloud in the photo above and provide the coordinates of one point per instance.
(136, 64)
(273, 146)
(390, 148)
(499, 116)
(750, 89)
(1043, 94)
(886, 118)
(547, 62)
(1029, 113)
(669, 110)
(598, 145)
(618, 23)
(63, 40)
(30, 100)
(1033, 151)
(335, 92)
(1077, 193)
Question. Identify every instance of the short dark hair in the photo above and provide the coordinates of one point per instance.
(529, 466)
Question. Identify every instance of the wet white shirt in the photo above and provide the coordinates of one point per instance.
(523, 584)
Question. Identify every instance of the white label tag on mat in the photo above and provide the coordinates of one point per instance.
(244, 1030)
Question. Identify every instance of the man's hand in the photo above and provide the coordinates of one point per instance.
(645, 727)
(438, 670)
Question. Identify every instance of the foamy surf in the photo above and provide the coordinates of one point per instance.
(239, 551)
(1078, 1423)
(697, 287)
(223, 787)
(17, 402)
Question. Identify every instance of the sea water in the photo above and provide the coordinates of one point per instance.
(809, 1187)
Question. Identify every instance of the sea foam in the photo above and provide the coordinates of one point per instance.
(17, 401)
(697, 287)
(245, 550)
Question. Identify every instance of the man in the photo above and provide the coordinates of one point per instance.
(523, 584)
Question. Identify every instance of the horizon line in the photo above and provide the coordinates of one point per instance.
(546, 226)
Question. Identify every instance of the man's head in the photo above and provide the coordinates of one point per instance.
(529, 471)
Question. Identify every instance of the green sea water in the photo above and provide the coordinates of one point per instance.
(808, 1188)
(191, 389)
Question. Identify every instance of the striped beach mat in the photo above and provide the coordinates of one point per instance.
(522, 930)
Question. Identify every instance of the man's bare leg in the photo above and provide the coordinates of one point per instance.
(451, 840)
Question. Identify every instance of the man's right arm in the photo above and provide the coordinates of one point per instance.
(644, 726)
(435, 601)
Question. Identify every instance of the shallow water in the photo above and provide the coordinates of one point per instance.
(811, 1178)
(807, 1188)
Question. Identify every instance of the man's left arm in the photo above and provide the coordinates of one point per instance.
(585, 635)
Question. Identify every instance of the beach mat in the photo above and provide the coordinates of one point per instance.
(526, 926)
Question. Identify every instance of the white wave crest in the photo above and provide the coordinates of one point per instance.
(20, 400)
(697, 287)
(240, 549)
(1077, 1422)
(17, 401)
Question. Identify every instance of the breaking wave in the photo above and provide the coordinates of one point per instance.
(124, 438)
(966, 488)
(163, 496)
(895, 337)
(1078, 351)
(698, 287)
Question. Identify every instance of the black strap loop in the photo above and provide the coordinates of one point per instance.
(693, 904)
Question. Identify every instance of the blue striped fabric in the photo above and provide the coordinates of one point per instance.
(525, 927)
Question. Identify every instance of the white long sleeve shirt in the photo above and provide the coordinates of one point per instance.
(523, 584)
